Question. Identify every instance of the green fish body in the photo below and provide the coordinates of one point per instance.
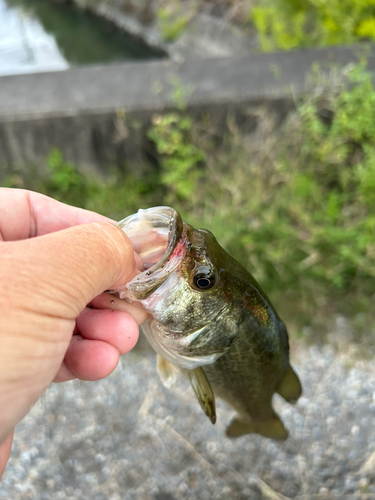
(211, 320)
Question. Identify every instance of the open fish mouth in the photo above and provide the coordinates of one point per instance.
(156, 235)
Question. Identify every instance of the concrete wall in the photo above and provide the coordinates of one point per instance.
(90, 113)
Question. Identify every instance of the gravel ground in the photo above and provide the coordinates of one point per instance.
(128, 437)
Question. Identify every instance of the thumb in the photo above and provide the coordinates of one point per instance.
(59, 273)
(46, 282)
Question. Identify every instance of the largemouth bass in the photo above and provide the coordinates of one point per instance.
(211, 320)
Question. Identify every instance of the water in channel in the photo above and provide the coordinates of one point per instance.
(41, 35)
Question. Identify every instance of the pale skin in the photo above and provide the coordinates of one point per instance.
(56, 324)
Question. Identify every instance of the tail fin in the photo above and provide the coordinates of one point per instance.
(272, 428)
(289, 386)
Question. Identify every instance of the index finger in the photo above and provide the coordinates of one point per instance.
(25, 214)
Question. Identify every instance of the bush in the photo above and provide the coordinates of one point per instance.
(116, 197)
(299, 213)
(288, 24)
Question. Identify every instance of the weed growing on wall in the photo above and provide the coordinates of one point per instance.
(173, 16)
(180, 158)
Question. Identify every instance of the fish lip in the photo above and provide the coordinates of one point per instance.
(162, 218)
(175, 229)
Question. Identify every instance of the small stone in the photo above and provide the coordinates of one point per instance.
(100, 458)
(355, 430)
(50, 483)
(330, 420)
(183, 487)
(211, 447)
(272, 448)
(350, 484)
(226, 491)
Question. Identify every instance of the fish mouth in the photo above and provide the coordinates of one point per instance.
(155, 234)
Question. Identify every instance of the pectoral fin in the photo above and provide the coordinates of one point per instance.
(272, 428)
(203, 391)
(289, 386)
(166, 370)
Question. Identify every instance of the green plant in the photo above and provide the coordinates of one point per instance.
(65, 182)
(173, 19)
(300, 213)
(180, 158)
(286, 24)
(180, 93)
(116, 196)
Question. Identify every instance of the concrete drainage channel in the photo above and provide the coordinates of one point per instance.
(83, 110)
(204, 35)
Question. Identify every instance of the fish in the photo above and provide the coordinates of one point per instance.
(210, 320)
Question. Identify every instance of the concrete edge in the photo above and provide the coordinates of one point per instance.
(151, 85)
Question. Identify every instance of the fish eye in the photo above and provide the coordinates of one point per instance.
(204, 281)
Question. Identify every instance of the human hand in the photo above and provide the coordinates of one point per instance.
(54, 261)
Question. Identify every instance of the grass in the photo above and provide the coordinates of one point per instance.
(299, 213)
